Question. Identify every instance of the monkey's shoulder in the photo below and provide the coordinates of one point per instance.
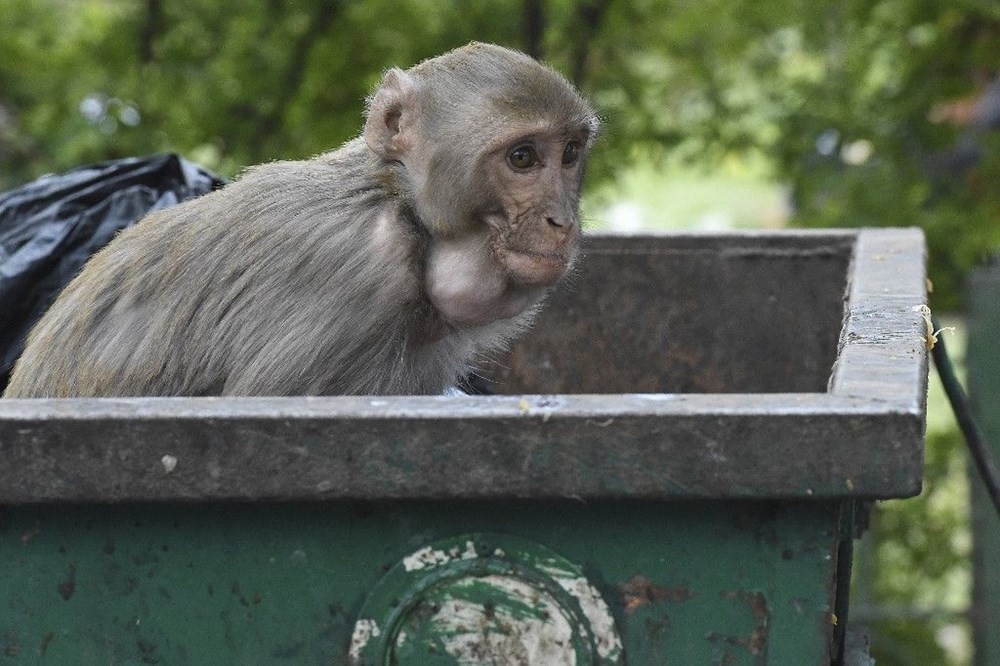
(350, 162)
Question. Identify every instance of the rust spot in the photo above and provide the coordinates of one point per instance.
(238, 593)
(759, 606)
(31, 534)
(638, 591)
(756, 641)
(68, 586)
(45, 642)
(147, 649)
(12, 647)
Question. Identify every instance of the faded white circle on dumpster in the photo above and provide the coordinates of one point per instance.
(485, 599)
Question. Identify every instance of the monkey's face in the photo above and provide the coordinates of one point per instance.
(535, 179)
(519, 231)
(491, 145)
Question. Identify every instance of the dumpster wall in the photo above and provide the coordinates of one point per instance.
(697, 314)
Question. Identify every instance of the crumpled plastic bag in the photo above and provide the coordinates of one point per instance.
(51, 226)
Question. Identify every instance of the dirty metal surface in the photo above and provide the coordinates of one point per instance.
(744, 313)
(684, 582)
(775, 423)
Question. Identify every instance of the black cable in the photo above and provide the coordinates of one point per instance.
(966, 422)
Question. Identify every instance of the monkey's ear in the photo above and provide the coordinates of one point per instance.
(392, 114)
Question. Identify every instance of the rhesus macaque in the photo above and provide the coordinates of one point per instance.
(383, 267)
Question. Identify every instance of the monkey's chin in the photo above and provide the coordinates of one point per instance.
(535, 268)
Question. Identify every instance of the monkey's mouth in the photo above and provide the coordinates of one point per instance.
(533, 267)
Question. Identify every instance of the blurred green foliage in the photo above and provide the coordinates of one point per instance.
(834, 96)
(856, 104)
(921, 566)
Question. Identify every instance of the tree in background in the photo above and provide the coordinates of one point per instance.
(874, 112)
(838, 98)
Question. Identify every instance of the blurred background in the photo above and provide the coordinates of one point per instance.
(719, 115)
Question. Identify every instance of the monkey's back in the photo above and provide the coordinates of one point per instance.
(265, 287)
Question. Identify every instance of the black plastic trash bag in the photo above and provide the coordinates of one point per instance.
(51, 226)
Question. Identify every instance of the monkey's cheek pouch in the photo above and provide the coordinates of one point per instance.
(689, 441)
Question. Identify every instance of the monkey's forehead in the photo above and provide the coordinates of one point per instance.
(531, 108)
(501, 129)
(552, 101)
(485, 77)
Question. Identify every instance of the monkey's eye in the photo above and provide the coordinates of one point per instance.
(571, 153)
(523, 157)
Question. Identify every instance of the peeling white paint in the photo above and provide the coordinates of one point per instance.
(425, 557)
(428, 557)
(532, 626)
(364, 631)
(598, 615)
(169, 463)
(474, 636)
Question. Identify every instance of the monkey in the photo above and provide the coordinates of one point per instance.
(386, 266)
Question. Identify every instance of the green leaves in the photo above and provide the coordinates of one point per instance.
(703, 83)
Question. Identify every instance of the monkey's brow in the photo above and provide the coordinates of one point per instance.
(548, 131)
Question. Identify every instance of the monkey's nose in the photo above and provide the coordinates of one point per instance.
(556, 222)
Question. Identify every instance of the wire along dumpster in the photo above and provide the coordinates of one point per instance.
(672, 470)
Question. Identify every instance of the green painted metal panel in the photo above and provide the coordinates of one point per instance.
(705, 582)
(984, 384)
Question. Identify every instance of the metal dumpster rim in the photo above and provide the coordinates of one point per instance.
(862, 438)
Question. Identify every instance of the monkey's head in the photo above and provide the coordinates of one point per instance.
(492, 145)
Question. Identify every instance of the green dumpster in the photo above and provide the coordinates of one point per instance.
(672, 472)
